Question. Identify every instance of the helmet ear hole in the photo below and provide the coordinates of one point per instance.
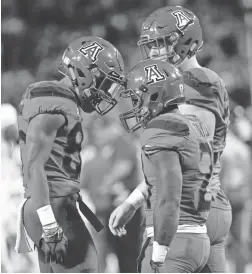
(188, 41)
(80, 73)
(154, 97)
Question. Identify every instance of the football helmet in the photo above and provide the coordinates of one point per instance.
(152, 86)
(96, 70)
(170, 34)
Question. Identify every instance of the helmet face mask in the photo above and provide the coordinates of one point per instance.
(105, 90)
(138, 112)
(152, 86)
(96, 70)
(160, 48)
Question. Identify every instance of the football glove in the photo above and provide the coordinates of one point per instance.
(54, 244)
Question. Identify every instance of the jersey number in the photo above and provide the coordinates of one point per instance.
(205, 166)
(73, 149)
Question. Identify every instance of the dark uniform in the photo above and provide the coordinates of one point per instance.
(190, 247)
(62, 170)
(204, 88)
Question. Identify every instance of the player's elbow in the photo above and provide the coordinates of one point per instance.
(35, 166)
(170, 196)
(34, 170)
(172, 204)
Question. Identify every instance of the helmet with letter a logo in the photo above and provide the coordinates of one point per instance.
(170, 34)
(152, 87)
(96, 69)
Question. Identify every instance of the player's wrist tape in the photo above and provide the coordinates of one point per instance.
(46, 217)
(159, 252)
(136, 198)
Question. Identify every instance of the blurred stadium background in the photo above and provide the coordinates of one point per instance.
(34, 36)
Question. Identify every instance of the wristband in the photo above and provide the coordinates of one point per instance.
(159, 252)
(136, 198)
(46, 216)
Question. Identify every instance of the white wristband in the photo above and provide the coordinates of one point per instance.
(136, 198)
(159, 252)
(46, 215)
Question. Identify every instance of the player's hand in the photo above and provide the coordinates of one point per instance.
(120, 217)
(54, 243)
(157, 267)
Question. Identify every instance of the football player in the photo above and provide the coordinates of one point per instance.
(50, 139)
(173, 34)
(177, 165)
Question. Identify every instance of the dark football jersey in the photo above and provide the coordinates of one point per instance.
(64, 164)
(191, 142)
(204, 88)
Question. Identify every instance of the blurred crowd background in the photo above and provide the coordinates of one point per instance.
(34, 36)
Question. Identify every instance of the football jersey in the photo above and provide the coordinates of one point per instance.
(64, 164)
(174, 132)
(204, 88)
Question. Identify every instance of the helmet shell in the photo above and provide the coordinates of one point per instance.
(94, 65)
(152, 86)
(176, 23)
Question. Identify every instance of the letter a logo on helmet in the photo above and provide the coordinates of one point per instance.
(91, 51)
(183, 20)
(153, 74)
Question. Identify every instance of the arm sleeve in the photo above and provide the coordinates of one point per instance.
(165, 134)
(207, 90)
(43, 98)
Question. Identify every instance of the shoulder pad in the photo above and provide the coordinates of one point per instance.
(205, 75)
(47, 97)
(204, 88)
(49, 88)
(167, 131)
(204, 82)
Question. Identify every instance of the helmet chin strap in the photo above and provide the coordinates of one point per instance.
(75, 85)
(192, 50)
(189, 55)
(84, 102)
(74, 81)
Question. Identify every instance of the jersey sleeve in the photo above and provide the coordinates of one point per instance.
(206, 89)
(167, 133)
(44, 97)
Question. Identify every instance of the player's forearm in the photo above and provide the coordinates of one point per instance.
(39, 186)
(168, 196)
(138, 196)
(41, 198)
(166, 220)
